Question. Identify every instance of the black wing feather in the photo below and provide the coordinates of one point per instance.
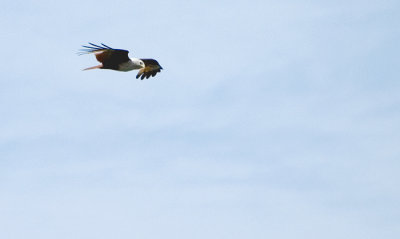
(111, 59)
(152, 67)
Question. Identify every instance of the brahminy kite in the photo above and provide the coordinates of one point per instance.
(117, 59)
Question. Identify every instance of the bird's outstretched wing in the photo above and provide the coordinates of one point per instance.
(151, 68)
(109, 57)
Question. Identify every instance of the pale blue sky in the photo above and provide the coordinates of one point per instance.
(272, 119)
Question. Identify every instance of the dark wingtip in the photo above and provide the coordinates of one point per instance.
(94, 45)
(106, 46)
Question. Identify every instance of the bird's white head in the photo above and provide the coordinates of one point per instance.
(138, 63)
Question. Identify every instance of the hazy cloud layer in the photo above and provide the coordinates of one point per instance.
(272, 119)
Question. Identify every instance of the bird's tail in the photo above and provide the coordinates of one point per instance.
(94, 67)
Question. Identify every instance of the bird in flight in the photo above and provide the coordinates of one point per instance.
(117, 59)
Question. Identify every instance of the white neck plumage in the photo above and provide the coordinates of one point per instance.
(132, 64)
